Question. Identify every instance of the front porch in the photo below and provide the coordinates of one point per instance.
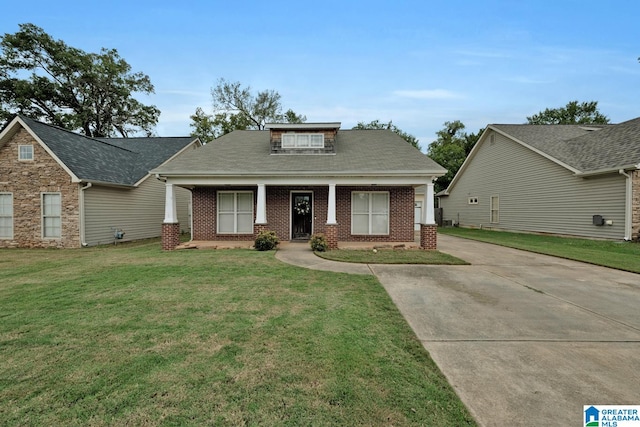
(350, 216)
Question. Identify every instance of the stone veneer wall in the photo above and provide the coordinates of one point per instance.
(27, 180)
(635, 229)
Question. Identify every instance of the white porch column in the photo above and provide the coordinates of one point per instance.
(170, 211)
(428, 208)
(261, 208)
(331, 208)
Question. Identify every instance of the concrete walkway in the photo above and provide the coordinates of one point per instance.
(524, 339)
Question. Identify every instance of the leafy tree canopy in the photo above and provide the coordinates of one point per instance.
(48, 80)
(238, 108)
(573, 113)
(450, 150)
(377, 124)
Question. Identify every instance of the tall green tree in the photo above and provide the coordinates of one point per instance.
(573, 113)
(450, 150)
(377, 124)
(93, 93)
(239, 108)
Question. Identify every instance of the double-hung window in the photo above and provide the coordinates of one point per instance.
(51, 215)
(303, 140)
(25, 152)
(6, 216)
(369, 212)
(235, 212)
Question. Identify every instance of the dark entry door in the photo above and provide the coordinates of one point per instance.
(301, 215)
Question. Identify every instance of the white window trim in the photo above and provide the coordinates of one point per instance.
(42, 215)
(11, 216)
(235, 212)
(495, 209)
(298, 141)
(473, 200)
(370, 233)
(20, 158)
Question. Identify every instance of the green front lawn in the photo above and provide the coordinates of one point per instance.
(131, 335)
(621, 255)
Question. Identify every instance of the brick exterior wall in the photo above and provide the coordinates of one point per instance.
(170, 236)
(331, 234)
(27, 180)
(635, 228)
(428, 236)
(401, 222)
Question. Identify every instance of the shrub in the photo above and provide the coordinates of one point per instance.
(266, 240)
(319, 243)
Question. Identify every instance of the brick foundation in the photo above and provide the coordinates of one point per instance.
(331, 234)
(428, 236)
(259, 228)
(170, 236)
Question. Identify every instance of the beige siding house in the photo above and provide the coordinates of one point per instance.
(559, 179)
(64, 190)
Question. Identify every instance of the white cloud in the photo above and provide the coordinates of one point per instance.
(427, 94)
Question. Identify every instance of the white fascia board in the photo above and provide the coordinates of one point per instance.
(607, 171)
(188, 181)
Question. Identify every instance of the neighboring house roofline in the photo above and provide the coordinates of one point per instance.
(481, 140)
(196, 141)
(11, 129)
(536, 150)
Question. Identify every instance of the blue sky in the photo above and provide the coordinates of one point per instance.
(418, 63)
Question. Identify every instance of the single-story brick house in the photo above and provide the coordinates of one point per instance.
(301, 179)
(65, 190)
(580, 180)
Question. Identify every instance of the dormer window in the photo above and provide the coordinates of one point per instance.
(303, 140)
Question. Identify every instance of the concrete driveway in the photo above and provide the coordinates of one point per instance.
(524, 339)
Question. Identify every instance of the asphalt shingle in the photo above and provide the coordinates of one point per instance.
(357, 151)
(122, 161)
(586, 148)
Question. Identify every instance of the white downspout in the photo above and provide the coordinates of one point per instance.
(82, 215)
(628, 208)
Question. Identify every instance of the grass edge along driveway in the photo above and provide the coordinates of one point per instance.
(131, 335)
(620, 255)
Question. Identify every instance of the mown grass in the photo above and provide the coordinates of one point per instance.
(391, 256)
(131, 335)
(620, 255)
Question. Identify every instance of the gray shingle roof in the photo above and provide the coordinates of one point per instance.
(121, 161)
(357, 151)
(585, 148)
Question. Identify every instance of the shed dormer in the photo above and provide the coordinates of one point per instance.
(303, 138)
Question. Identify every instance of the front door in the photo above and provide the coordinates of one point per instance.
(301, 215)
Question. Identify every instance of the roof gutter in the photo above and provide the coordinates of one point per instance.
(628, 208)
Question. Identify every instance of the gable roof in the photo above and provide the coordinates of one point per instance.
(583, 149)
(587, 149)
(116, 161)
(359, 152)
